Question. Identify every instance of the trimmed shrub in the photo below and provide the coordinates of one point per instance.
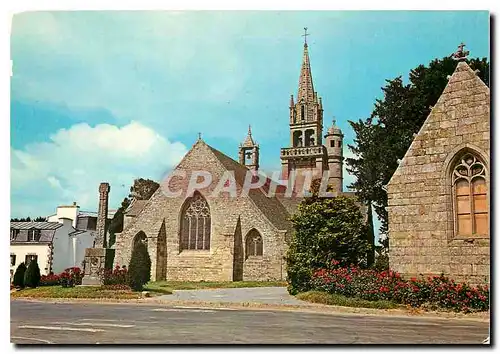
(437, 292)
(18, 280)
(139, 272)
(32, 276)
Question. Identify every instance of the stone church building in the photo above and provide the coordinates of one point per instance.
(224, 237)
(439, 196)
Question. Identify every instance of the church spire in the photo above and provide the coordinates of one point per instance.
(306, 88)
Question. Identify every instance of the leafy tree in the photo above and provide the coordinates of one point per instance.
(32, 275)
(386, 135)
(19, 275)
(139, 270)
(325, 229)
(143, 189)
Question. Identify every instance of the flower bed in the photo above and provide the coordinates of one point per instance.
(437, 292)
(114, 276)
(70, 277)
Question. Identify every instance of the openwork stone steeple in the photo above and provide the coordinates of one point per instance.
(306, 88)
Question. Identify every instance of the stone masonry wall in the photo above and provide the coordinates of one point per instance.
(215, 264)
(421, 218)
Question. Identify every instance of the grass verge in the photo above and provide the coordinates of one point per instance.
(155, 288)
(321, 297)
(77, 292)
(184, 285)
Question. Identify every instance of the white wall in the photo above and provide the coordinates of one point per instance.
(61, 246)
(69, 250)
(70, 212)
(78, 245)
(41, 250)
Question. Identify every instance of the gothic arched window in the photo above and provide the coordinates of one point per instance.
(253, 244)
(470, 197)
(195, 224)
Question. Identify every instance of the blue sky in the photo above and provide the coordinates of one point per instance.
(113, 96)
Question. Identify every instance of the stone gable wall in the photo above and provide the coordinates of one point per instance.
(215, 264)
(421, 220)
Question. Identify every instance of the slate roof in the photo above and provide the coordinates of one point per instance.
(83, 213)
(135, 207)
(271, 207)
(47, 230)
(41, 225)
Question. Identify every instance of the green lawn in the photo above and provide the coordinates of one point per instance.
(79, 292)
(185, 285)
(340, 300)
(155, 288)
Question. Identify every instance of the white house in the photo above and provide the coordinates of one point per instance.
(56, 244)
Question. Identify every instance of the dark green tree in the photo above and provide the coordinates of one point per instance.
(143, 189)
(39, 218)
(139, 269)
(116, 223)
(32, 275)
(18, 280)
(325, 229)
(386, 135)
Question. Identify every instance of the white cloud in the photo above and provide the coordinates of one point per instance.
(72, 164)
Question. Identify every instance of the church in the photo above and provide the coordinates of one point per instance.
(202, 235)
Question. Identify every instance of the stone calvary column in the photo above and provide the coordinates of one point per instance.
(99, 257)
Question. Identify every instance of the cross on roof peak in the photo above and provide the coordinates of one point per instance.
(305, 35)
(460, 54)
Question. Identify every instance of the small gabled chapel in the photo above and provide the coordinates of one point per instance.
(439, 196)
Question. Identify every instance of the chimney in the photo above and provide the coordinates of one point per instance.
(102, 216)
(66, 221)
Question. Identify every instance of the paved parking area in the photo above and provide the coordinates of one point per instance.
(264, 295)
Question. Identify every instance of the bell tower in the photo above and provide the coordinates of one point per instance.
(248, 153)
(306, 151)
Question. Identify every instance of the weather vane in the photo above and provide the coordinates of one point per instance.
(199, 136)
(460, 54)
(305, 35)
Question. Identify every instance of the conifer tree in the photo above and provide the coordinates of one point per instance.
(19, 275)
(139, 270)
(32, 275)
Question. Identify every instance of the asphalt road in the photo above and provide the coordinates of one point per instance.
(78, 323)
